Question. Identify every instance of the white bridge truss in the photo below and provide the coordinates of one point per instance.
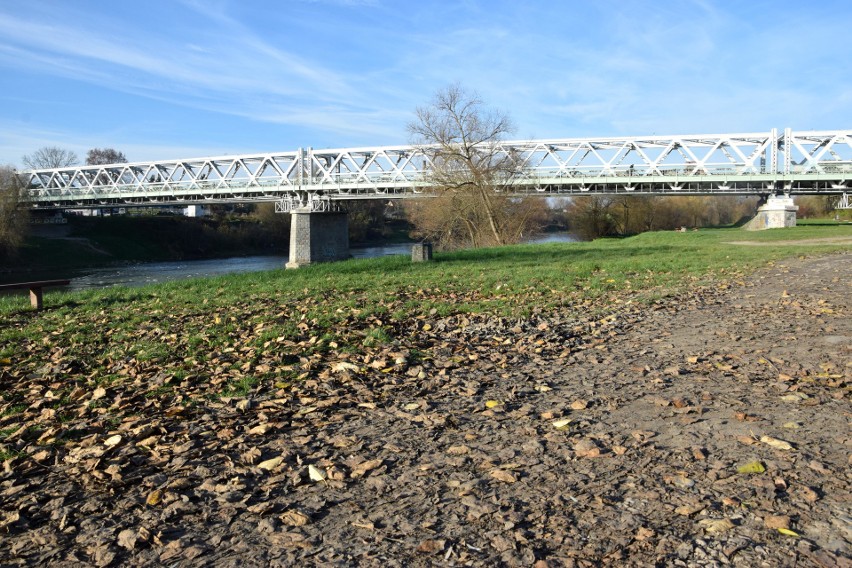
(815, 162)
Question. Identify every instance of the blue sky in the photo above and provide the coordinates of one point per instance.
(162, 79)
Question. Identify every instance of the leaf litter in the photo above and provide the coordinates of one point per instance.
(564, 438)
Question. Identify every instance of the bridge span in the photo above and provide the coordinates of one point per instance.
(308, 183)
(766, 163)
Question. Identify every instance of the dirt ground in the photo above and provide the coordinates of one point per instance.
(707, 430)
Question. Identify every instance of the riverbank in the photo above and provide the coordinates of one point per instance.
(59, 251)
(620, 401)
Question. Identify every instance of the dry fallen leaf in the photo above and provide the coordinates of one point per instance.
(112, 441)
(270, 464)
(776, 443)
(690, 509)
(260, 429)
(154, 498)
(41, 455)
(587, 449)
(682, 481)
(808, 494)
(431, 546)
(712, 526)
(364, 524)
(561, 424)
(343, 366)
(362, 468)
(777, 522)
(250, 456)
(644, 533)
(503, 475)
(127, 539)
(642, 436)
(294, 518)
(315, 474)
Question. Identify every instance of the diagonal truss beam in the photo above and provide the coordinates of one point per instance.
(750, 163)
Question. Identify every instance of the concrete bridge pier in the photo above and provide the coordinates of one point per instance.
(776, 212)
(317, 236)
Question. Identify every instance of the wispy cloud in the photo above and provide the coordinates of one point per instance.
(243, 76)
(341, 72)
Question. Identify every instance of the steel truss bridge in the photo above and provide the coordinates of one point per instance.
(765, 163)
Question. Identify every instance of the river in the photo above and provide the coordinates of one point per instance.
(155, 272)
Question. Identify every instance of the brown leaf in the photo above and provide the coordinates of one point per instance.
(112, 441)
(260, 429)
(680, 480)
(294, 518)
(362, 468)
(712, 526)
(808, 494)
(127, 539)
(777, 522)
(503, 475)
(431, 546)
(644, 533)
(587, 449)
(251, 456)
(364, 524)
(776, 443)
(690, 509)
(270, 464)
(642, 436)
(41, 455)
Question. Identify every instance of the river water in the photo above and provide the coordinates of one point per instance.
(155, 272)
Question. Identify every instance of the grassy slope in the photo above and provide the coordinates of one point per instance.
(516, 281)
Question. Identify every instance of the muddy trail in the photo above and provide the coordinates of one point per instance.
(706, 430)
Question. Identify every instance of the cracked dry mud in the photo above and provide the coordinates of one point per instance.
(652, 437)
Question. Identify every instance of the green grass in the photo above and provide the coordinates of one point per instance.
(207, 325)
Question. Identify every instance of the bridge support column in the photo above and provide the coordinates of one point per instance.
(317, 237)
(778, 212)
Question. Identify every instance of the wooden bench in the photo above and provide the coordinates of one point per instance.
(35, 289)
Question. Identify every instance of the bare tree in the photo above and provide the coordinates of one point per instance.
(13, 217)
(50, 157)
(103, 156)
(470, 171)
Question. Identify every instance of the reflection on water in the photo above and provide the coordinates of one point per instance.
(155, 272)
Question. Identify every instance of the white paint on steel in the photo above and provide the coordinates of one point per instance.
(818, 162)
